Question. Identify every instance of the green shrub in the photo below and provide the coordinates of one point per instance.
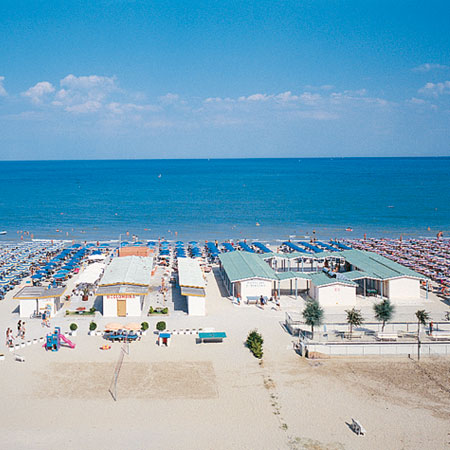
(92, 310)
(92, 326)
(151, 310)
(255, 343)
(165, 311)
(73, 326)
(144, 326)
(161, 326)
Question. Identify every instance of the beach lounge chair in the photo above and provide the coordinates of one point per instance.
(440, 336)
(357, 428)
(387, 336)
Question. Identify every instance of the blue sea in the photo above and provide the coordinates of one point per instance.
(266, 199)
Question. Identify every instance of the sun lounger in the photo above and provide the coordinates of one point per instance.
(358, 428)
(440, 336)
(387, 336)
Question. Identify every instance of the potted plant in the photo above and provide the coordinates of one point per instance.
(73, 328)
(85, 292)
(92, 328)
(161, 326)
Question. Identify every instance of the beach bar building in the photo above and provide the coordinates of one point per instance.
(376, 275)
(37, 299)
(247, 275)
(124, 285)
(193, 285)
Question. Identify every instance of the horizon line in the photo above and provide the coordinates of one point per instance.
(229, 158)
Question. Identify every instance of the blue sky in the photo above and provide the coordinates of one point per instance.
(174, 79)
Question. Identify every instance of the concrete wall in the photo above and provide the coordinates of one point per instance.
(403, 288)
(386, 348)
(334, 294)
(256, 287)
(196, 306)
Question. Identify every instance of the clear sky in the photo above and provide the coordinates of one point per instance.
(189, 79)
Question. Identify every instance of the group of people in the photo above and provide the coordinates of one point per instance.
(20, 333)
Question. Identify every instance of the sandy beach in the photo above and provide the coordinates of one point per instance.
(204, 396)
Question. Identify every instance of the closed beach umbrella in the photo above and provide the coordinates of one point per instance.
(113, 326)
(133, 326)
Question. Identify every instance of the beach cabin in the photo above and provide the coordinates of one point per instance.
(247, 275)
(124, 285)
(193, 285)
(380, 276)
(34, 300)
(331, 291)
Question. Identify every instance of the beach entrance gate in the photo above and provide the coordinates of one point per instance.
(121, 308)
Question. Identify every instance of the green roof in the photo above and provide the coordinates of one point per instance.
(356, 275)
(244, 265)
(322, 279)
(377, 266)
(290, 275)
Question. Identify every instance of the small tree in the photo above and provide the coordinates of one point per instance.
(73, 326)
(254, 343)
(354, 318)
(92, 326)
(384, 312)
(144, 326)
(313, 315)
(161, 326)
(422, 318)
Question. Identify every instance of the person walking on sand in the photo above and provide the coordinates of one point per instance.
(22, 331)
(261, 300)
(19, 327)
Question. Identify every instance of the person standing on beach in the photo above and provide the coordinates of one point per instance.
(9, 337)
(22, 331)
(19, 327)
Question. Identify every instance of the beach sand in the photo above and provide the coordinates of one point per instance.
(218, 396)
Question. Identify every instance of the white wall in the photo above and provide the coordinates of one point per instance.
(109, 306)
(256, 287)
(27, 307)
(134, 307)
(334, 294)
(196, 306)
(403, 288)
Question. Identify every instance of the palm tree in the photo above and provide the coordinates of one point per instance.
(313, 315)
(422, 318)
(383, 311)
(354, 318)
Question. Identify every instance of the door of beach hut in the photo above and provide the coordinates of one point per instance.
(121, 308)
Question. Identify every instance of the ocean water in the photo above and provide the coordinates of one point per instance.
(266, 199)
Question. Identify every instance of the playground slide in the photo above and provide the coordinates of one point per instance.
(69, 343)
